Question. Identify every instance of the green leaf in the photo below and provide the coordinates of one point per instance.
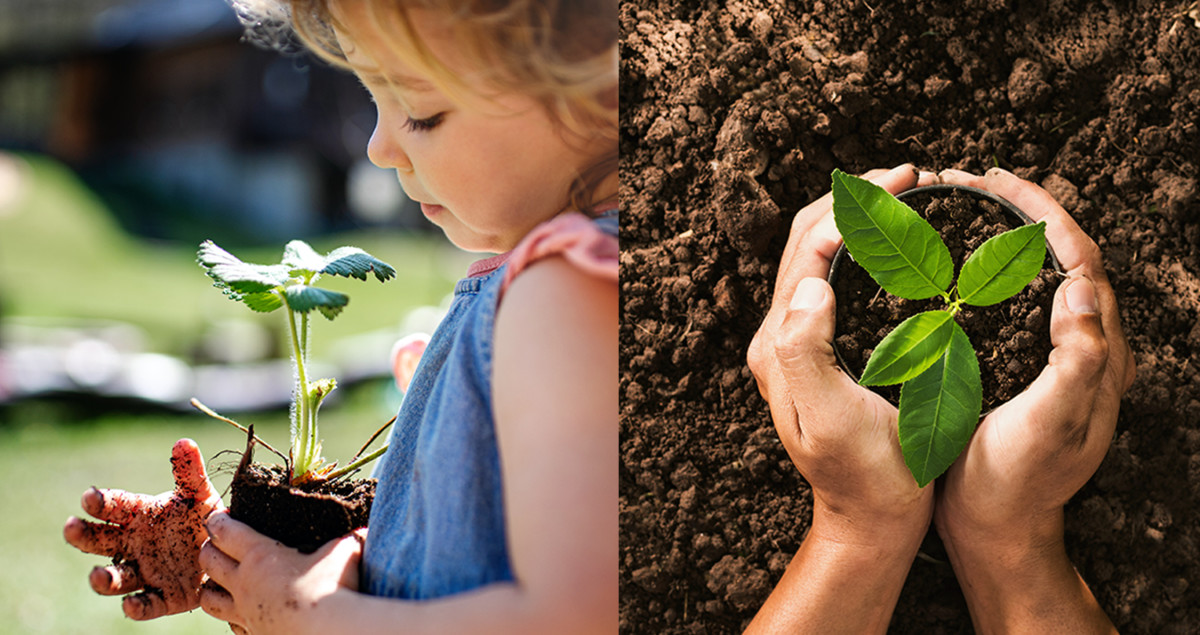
(263, 302)
(300, 256)
(238, 277)
(901, 250)
(352, 262)
(909, 349)
(939, 410)
(303, 298)
(1003, 265)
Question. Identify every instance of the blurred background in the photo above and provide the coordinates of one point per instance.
(130, 131)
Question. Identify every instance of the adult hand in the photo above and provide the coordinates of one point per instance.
(1000, 506)
(266, 587)
(869, 515)
(154, 540)
(1030, 455)
(841, 436)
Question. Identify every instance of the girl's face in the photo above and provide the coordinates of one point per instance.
(486, 171)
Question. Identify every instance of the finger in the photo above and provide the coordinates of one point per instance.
(187, 465)
(951, 176)
(233, 538)
(217, 602)
(117, 579)
(1066, 389)
(147, 605)
(96, 538)
(928, 178)
(895, 180)
(238, 629)
(114, 505)
(218, 565)
(806, 358)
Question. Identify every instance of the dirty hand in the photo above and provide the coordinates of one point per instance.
(1030, 455)
(841, 436)
(266, 587)
(154, 540)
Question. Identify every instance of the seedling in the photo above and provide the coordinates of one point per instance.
(929, 353)
(290, 285)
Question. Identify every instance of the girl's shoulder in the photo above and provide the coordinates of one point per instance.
(588, 244)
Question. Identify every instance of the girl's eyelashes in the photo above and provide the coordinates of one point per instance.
(424, 125)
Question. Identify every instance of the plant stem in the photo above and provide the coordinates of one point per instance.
(354, 465)
(302, 460)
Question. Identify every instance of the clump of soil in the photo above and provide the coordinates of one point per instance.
(303, 517)
(1010, 338)
(733, 115)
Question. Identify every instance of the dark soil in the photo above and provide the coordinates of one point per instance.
(303, 517)
(1011, 338)
(734, 114)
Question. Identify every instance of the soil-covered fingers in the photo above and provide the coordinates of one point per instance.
(147, 605)
(114, 505)
(101, 539)
(117, 579)
(187, 466)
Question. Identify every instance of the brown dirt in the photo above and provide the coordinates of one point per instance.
(303, 517)
(1011, 338)
(733, 116)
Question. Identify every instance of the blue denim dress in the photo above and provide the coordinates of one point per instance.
(437, 523)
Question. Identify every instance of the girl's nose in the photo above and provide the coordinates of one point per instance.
(384, 149)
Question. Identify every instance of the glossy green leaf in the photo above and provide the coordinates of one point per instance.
(901, 250)
(303, 298)
(1003, 265)
(909, 349)
(939, 410)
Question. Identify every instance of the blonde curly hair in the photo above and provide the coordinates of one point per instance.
(563, 53)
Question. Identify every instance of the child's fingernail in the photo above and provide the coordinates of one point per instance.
(1081, 296)
(810, 293)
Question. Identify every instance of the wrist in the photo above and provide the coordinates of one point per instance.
(1022, 539)
(876, 534)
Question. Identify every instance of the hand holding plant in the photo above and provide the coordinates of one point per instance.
(1000, 506)
(154, 540)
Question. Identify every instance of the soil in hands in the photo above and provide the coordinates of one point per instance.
(733, 115)
(1010, 338)
(303, 517)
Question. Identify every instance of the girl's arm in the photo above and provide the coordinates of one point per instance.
(555, 387)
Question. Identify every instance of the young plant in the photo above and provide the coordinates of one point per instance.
(929, 353)
(290, 285)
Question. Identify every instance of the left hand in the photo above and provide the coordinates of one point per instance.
(266, 587)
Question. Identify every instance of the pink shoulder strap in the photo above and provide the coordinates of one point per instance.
(572, 236)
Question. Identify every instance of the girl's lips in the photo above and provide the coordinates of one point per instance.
(430, 210)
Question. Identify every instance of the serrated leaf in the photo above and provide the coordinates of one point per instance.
(352, 262)
(299, 255)
(909, 349)
(1003, 265)
(303, 298)
(898, 248)
(939, 410)
(231, 273)
(263, 302)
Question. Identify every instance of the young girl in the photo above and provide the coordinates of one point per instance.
(496, 505)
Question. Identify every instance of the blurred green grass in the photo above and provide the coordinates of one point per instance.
(62, 257)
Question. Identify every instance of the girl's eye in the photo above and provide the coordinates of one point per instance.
(424, 125)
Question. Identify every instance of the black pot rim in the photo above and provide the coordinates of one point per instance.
(944, 189)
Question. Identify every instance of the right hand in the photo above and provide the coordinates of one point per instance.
(154, 540)
(1030, 455)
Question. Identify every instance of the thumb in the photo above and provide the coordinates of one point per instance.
(1068, 385)
(187, 465)
(805, 343)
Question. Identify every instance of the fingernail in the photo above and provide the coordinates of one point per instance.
(1081, 296)
(810, 293)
